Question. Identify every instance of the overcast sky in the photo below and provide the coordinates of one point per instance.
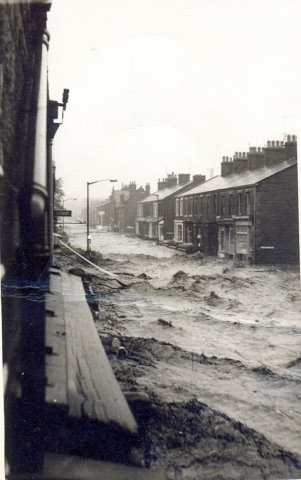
(161, 86)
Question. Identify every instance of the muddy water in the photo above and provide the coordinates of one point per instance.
(236, 331)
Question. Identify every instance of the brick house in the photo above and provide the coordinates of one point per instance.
(250, 211)
(118, 213)
(156, 213)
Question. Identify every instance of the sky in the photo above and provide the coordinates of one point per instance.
(161, 86)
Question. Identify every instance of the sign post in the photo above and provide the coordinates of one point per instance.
(62, 213)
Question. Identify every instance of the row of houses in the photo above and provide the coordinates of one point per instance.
(248, 213)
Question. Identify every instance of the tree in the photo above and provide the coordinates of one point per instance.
(58, 193)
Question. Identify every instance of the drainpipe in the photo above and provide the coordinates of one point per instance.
(39, 238)
(51, 179)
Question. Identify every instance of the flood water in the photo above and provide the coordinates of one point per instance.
(243, 320)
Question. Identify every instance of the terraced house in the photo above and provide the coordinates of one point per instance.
(250, 211)
(156, 213)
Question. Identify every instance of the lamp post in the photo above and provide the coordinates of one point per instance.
(66, 199)
(88, 219)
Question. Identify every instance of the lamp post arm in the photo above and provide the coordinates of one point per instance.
(103, 180)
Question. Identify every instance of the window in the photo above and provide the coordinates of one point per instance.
(239, 204)
(189, 205)
(155, 209)
(195, 206)
(179, 231)
(181, 207)
(231, 204)
(248, 203)
(201, 204)
(215, 203)
(207, 204)
(159, 209)
(223, 209)
(177, 207)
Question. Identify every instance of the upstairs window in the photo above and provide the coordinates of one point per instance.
(155, 209)
(195, 206)
(189, 202)
(185, 206)
(177, 207)
(231, 204)
(208, 205)
(248, 203)
(223, 205)
(181, 207)
(201, 204)
(239, 204)
(215, 203)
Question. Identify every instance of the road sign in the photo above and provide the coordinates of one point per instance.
(62, 213)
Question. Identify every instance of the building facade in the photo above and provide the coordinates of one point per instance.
(156, 213)
(241, 214)
(118, 213)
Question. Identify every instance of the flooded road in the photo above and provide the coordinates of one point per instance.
(226, 335)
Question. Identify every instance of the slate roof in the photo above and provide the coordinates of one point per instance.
(234, 180)
(165, 192)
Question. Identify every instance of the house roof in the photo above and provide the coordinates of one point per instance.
(164, 193)
(246, 178)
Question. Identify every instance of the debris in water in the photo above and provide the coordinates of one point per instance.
(180, 275)
(144, 276)
(165, 323)
(115, 345)
(122, 353)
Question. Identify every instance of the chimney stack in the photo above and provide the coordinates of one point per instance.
(255, 158)
(171, 180)
(183, 178)
(227, 166)
(132, 188)
(274, 153)
(240, 162)
(290, 147)
(162, 184)
(147, 189)
(198, 178)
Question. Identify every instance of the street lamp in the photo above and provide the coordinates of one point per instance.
(88, 220)
(66, 199)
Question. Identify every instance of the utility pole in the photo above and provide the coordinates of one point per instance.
(88, 213)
